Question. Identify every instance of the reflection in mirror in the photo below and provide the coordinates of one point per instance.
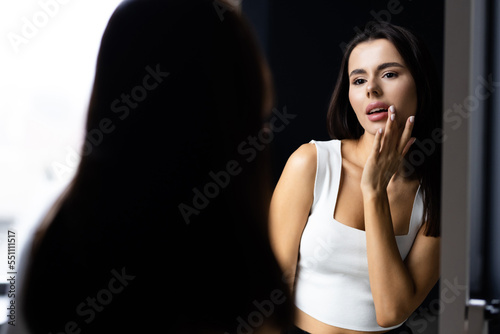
(354, 225)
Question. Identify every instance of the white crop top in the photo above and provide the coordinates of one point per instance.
(332, 283)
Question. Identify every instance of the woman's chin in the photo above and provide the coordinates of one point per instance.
(372, 130)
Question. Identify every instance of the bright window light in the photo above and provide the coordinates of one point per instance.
(48, 52)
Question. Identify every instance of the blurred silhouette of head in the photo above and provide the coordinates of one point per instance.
(162, 193)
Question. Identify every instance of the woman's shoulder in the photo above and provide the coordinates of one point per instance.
(298, 175)
(302, 160)
(304, 155)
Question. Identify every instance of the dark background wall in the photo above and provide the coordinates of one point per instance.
(302, 41)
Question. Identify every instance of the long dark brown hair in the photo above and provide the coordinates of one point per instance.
(179, 85)
(423, 161)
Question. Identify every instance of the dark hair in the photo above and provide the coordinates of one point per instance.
(424, 164)
(208, 89)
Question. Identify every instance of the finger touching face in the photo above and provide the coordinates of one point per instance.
(379, 78)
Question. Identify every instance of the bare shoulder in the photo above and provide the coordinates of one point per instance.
(299, 172)
(303, 159)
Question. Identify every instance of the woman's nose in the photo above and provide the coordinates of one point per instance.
(372, 88)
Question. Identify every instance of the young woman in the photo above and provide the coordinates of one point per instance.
(354, 221)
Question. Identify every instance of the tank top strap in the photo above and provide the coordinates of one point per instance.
(416, 220)
(328, 172)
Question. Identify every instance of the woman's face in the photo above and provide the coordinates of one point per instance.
(379, 78)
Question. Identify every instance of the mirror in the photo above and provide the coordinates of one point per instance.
(304, 44)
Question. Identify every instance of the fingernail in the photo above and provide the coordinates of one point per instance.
(393, 116)
(380, 130)
(412, 119)
(391, 108)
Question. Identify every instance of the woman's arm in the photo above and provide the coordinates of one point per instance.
(398, 287)
(290, 206)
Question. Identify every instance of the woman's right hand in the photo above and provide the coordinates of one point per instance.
(389, 148)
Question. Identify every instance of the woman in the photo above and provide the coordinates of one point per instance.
(354, 221)
(164, 227)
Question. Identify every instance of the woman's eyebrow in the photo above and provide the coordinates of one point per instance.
(386, 65)
(357, 71)
(379, 68)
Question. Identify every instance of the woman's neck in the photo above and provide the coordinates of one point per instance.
(363, 148)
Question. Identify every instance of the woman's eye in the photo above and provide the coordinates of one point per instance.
(358, 81)
(390, 75)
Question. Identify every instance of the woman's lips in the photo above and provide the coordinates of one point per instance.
(377, 111)
(379, 116)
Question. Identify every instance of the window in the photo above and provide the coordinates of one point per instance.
(48, 50)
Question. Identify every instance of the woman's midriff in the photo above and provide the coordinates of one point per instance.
(309, 324)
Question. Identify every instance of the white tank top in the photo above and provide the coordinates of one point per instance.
(332, 283)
